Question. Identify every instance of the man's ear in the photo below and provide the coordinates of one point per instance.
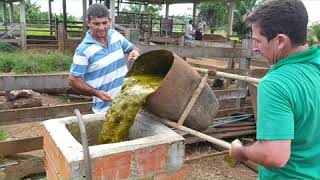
(283, 40)
(87, 23)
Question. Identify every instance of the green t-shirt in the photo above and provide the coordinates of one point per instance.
(289, 109)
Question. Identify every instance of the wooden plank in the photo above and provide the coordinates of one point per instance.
(228, 112)
(20, 145)
(229, 129)
(25, 115)
(27, 165)
(238, 124)
(190, 140)
(230, 93)
(203, 43)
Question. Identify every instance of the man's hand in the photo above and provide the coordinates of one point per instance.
(102, 95)
(237, 151)
(133, 55)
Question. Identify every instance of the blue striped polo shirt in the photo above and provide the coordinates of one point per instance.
(103, 68)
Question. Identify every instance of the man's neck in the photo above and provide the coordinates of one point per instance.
(298, 49)
(289, 51)
(103, 40)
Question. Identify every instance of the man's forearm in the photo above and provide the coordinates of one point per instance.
(266, 154)
(254, 153)
(79, 85)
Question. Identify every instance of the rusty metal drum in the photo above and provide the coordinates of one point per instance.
(176, 89)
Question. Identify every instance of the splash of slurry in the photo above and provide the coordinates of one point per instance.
(120, 116)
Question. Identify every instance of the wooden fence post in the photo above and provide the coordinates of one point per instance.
(23, 24)
(244, 65)
(61, 37)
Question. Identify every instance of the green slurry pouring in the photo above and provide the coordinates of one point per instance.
(120, 116)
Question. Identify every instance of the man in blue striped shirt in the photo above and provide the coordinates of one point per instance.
(99, 67)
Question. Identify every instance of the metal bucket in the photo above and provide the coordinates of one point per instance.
(175, 91)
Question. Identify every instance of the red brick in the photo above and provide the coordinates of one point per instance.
(55, 156)
(51, 174)
(151, 159)
(116, 166)
(181, 174)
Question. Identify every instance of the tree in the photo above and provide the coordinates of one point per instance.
(32, 11)
(214, 13)
(153, 10)
(243, 8)
(315, 31)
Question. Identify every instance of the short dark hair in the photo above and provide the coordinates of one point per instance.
(288, 17)
(97, 10)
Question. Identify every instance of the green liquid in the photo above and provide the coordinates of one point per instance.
(120, 116)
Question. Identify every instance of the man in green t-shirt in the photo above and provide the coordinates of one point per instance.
(288, 122)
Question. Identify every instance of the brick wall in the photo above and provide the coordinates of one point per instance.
(55, 163)
(145, 163)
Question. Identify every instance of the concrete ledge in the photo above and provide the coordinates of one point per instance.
(37, 82)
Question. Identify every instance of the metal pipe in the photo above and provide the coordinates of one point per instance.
(84, 140)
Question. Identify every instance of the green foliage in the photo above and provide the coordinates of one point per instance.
(3, 135)
(153, 10)
(69, 17)
(29, 62)
(214, 13)
(315, 30)
(7, 65)
(243, 8)
(34, 13)
(7, 47)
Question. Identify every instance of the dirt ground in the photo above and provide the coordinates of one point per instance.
(214, 167)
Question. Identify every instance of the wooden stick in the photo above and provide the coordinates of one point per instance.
(228, 75)
(193, 99)
(218, 142)
(206, 155)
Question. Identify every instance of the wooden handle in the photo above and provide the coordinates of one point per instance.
(218, 142)
(228, 75)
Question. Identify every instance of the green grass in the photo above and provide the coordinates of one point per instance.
(6, 47)
(39, 33)
(3, 135)
(31, 62)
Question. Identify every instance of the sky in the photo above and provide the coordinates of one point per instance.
(74, 7)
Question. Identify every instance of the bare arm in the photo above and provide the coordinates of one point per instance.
(78, 84)
(266, 153)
